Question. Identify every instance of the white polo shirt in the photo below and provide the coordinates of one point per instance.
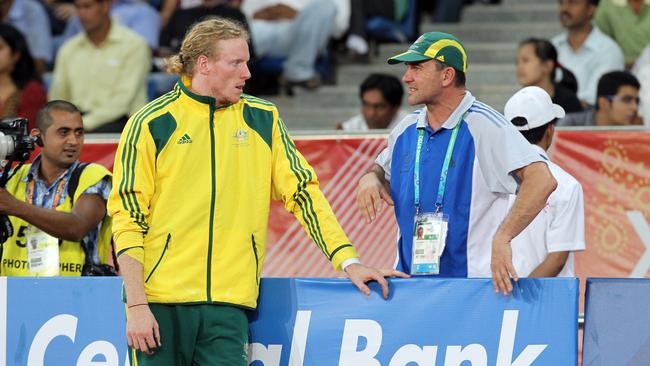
(558, 227)
(598, 55)
(358, 123)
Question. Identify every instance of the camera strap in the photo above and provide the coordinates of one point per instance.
(72, 188)
(74, 180)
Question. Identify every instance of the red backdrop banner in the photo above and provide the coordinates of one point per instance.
(611, 165)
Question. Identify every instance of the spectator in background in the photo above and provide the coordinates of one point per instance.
(628, 23)
(59, 11)
(30, 17)
(136, 15)
(360, 10)
(184, 16)
(381, 99)
(169, 7)
(545, 248)
(584, 49)
(22, 93)
(537, 65)
(103, 70)
(617, 103)
(296, 29)
(641, 70)
(57, 202)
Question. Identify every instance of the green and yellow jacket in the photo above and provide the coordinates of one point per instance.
(191, 196)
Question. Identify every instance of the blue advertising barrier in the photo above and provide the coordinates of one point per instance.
(617, 322)
(63, 321)
(426, 321)
(313, 322)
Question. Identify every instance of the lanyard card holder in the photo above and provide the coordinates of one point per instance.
(42, 253)
(428, 243)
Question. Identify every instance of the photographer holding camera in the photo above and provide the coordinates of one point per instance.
(56, 205)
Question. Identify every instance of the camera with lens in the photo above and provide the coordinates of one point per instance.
(16, 144)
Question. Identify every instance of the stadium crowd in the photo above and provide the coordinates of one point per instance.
(107, 56)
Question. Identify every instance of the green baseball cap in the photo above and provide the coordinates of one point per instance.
(435, 45)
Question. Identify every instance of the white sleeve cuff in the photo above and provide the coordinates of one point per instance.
(347, 262)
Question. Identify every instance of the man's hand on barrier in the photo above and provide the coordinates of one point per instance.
(360, 274)
(370, 193)
(394, 273)
(502, 268)
(142, 332)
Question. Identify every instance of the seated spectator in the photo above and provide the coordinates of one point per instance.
(641, 70)
(136, 15)
(59, 12)
(537, 66)
(584, 49)
(360, 10)
(168, 7)
(22, 93)
(30, 18)
(183, 17)
(628, 23)
(298, 30)
(545, 247)
(57, 205)
(381, 99)
(103, 70)
(617, 103)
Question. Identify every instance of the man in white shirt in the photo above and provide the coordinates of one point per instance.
(545, 248)
(295, 29)
(381, 101)
(583, 49)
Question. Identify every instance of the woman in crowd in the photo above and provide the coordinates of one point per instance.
(22, 93)
(537, 65)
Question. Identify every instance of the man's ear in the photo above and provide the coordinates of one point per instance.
(201, 65)
(448, 76)
(602, 103)
(36, 133)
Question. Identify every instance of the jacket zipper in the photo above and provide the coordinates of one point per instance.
(212, 203)
(169, 238)
(257, 260)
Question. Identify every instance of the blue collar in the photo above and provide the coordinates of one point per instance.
(34, 168)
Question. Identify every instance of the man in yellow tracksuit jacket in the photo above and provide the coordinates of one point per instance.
(194, 174)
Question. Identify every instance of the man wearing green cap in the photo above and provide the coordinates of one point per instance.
(448, 170)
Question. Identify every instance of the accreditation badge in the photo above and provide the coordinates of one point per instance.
(428, 243)
(42, 253)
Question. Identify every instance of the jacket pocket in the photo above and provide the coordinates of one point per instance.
(257, 260)
(162, 255)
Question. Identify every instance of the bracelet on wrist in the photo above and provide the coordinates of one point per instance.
(132, 306)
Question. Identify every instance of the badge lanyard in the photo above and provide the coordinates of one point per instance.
(443, 172)
(29, 195)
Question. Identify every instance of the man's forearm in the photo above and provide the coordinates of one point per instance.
(551, 266)
(537, 184)
(62, 225)
(132, 274)
(378, 171)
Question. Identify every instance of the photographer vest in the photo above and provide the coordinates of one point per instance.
(71, 253)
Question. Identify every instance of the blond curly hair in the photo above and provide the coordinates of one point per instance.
(201, 40)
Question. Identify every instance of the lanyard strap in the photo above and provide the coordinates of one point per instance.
(29, 195)
(443, 172)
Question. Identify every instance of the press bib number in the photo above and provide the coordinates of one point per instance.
(42, 253)
(428, 243)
